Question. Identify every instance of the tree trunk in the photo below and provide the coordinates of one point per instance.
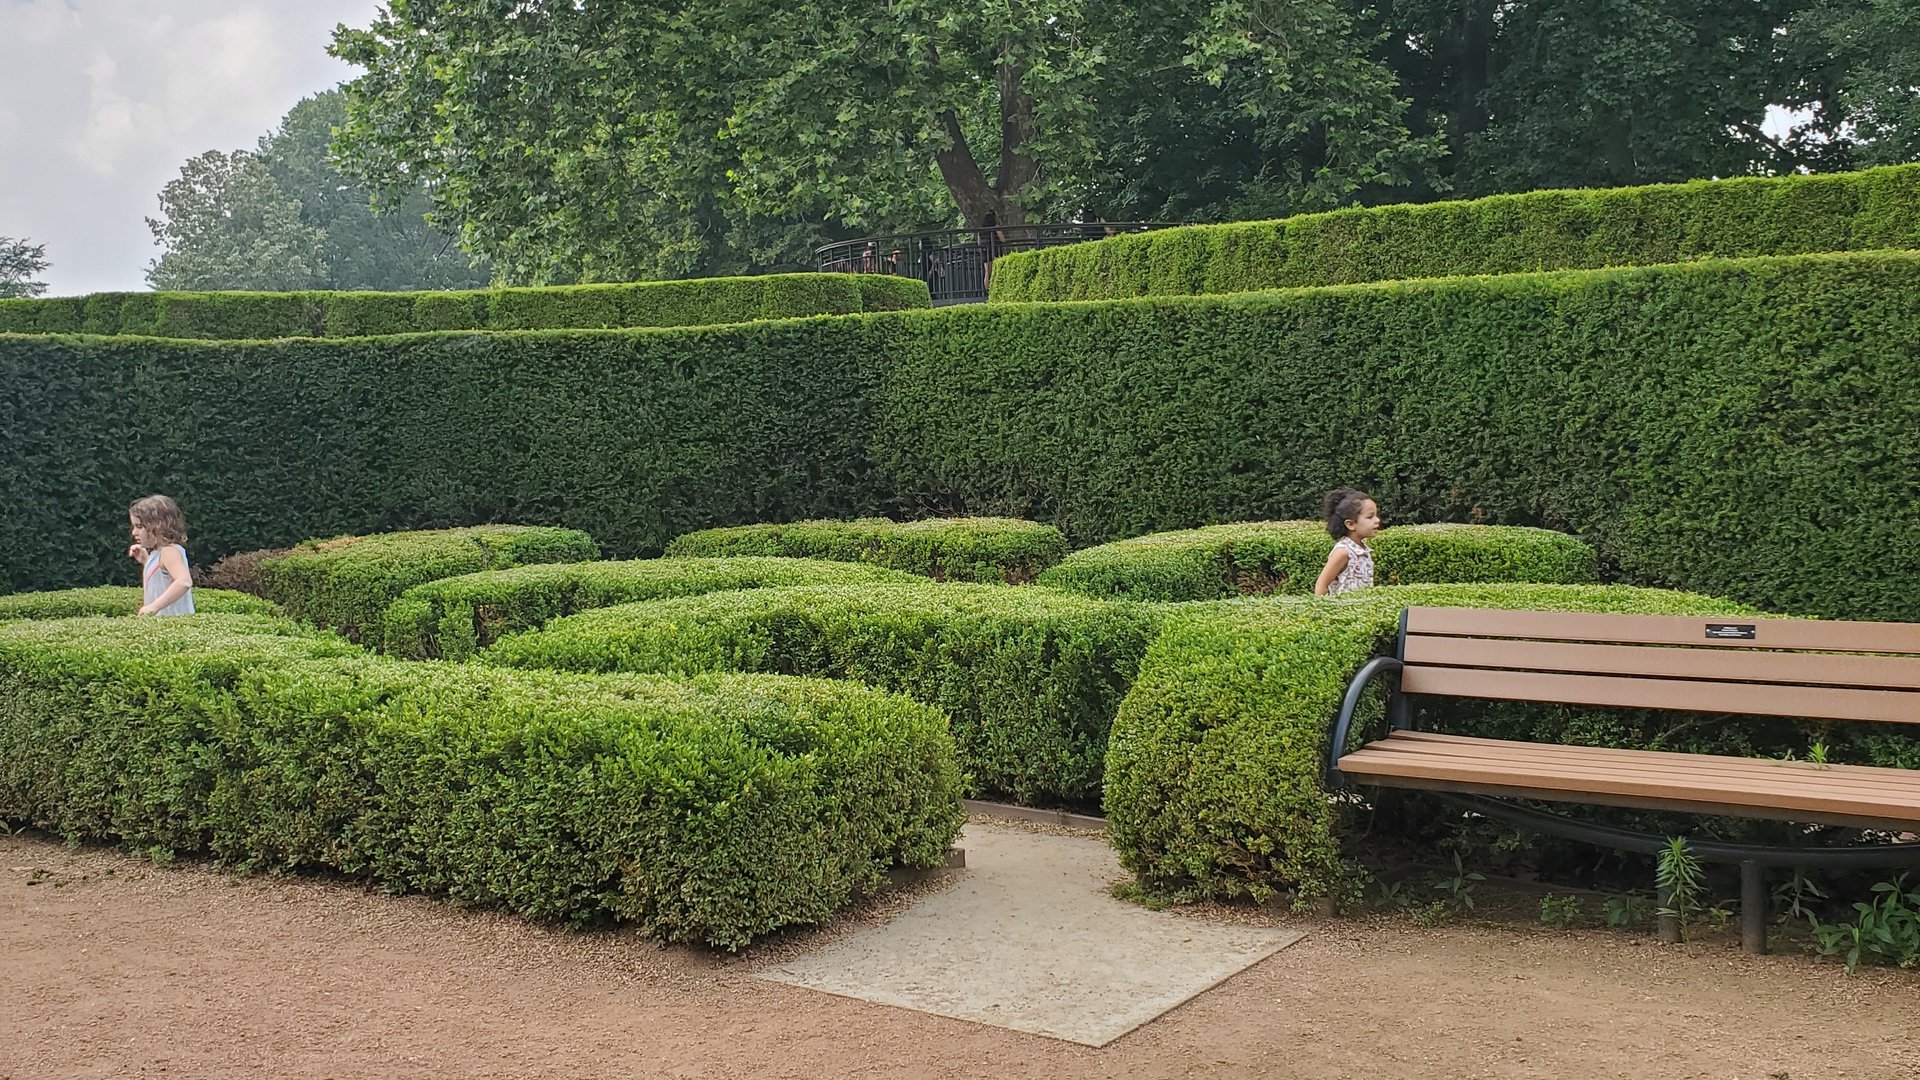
(985, 203)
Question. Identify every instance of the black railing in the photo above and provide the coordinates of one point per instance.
(957, 264)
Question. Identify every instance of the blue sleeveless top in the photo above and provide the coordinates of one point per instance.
(157, 581)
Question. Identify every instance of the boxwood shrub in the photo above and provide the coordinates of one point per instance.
(119, 600)
(715, 809)
(1503, 234)
(256, 315)
(1031, 677)
(945, 549)
(347, 583)
(1262, 557)
(453, 617)
(1215, 771)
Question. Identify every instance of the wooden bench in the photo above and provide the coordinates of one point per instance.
(1741, 667)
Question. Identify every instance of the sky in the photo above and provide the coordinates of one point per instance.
(102, 101)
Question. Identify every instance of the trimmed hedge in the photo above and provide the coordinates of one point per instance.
(1216, 766)
(1263, 557)
(1718, 426)
(454, 617)
(945, 549)
(347, 583)
(634, 436)
(1745, 428)
(256, 316)
(104, 600)
(716, 809)
(1503, 234)
(1031, 677)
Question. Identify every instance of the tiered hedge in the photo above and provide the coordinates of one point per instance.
(945, 549)
(1719, 426)
(253, 316)
(1263, 557)
(104, 600)
(1215, 771)
(347, 583)
(1031, 677)
(454, 617)
(1504, 234)
(715, 809)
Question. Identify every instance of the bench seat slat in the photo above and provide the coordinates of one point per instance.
(1685, 695)
(1703, 768)
(1613, 778)
(1739, 665)
(1859, 637)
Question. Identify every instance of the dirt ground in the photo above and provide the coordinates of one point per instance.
(112, 967)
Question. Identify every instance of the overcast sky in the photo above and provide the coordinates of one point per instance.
(102, 101)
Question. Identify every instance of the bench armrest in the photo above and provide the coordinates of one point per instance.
(1379, 665)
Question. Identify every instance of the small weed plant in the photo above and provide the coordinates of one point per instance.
(1884, 930)
(1683, 880)
(1561, 912)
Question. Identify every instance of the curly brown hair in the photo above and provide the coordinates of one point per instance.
(162, 517)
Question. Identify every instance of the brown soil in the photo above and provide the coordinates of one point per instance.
(115, 968)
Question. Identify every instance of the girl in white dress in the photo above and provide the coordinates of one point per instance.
(159, 536)
(1352, 519)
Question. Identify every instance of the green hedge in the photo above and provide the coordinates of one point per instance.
(253, 315)
(1262, 557)
(634, 436)
(1031, 677)
(716, 809)
(945, 549)
(119, 600)
(1504, 234)
(347, 583)
(1718, 426)
(454, 617)
(1215, 772)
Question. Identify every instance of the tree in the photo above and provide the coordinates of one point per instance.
(282, 217)
(227, 225)
(20, 262)
(593, 139)
(1873, 52)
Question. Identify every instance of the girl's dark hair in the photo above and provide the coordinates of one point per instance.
(161, 515)
(1341, 506)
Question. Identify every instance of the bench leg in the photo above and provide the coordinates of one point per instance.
(1753, 906)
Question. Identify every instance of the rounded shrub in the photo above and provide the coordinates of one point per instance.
(453, 617)
(347, 583)
(713, 809)
(1030, 677)
(1264, 557)
(986, 549)
(119, 600)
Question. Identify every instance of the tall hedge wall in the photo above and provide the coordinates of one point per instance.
(1740, 427)
(635, 436)
(1504, 234)
(1748, 428)
(251, 315)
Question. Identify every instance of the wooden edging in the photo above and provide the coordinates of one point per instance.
(1010, 812)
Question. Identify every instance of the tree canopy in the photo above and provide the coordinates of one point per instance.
(593, 140)
(21, 261)
(283, 217)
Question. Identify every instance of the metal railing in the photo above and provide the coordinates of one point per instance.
(957, 264)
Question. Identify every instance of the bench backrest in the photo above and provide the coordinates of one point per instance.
(1761, 667)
